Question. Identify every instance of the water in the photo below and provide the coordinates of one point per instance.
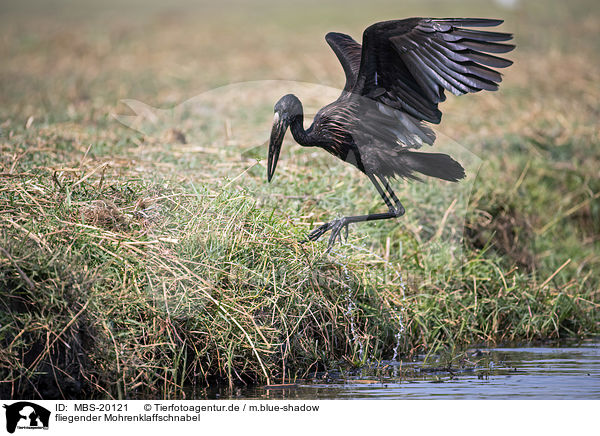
(563, 372)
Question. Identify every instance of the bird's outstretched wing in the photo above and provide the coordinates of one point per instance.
(407, 64)
(348, 51)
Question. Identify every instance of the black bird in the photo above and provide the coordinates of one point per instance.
(394, 82)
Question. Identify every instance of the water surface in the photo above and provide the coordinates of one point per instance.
(532, 372)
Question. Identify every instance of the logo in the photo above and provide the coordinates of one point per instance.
(26, 415)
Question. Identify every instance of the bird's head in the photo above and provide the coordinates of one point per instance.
(286, 109)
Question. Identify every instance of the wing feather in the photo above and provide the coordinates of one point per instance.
(394, 82)
(417, 59)
(348, 52)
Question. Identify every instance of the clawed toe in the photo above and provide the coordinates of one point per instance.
(335, 226)
(318, 232)
(336, 232)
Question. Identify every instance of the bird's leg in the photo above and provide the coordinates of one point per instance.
(399, 209)
(395, 210)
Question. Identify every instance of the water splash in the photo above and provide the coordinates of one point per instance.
(350, 309)
(401, 328)
(398, 336)
(400, 323)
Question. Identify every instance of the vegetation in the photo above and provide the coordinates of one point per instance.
(150, 264)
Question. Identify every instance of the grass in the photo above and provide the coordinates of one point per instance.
(153, 265)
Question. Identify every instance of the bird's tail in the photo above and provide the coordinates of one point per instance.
(436, 165)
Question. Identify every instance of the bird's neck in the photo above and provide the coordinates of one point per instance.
(300, 135)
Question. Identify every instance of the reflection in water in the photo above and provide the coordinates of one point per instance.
(571, 372)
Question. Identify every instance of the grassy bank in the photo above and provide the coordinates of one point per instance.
(152, 265)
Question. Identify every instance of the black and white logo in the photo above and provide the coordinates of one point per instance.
(26, 415)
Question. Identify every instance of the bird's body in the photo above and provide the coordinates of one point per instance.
(394, 82)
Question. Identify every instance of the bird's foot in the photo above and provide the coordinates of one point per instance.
(335, 226)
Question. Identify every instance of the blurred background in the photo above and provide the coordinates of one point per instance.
(60, 56)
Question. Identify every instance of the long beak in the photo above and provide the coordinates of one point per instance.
(277, 134)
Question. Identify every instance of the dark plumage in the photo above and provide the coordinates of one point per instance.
(394, 83)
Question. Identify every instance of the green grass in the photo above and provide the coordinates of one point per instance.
(138, 266)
